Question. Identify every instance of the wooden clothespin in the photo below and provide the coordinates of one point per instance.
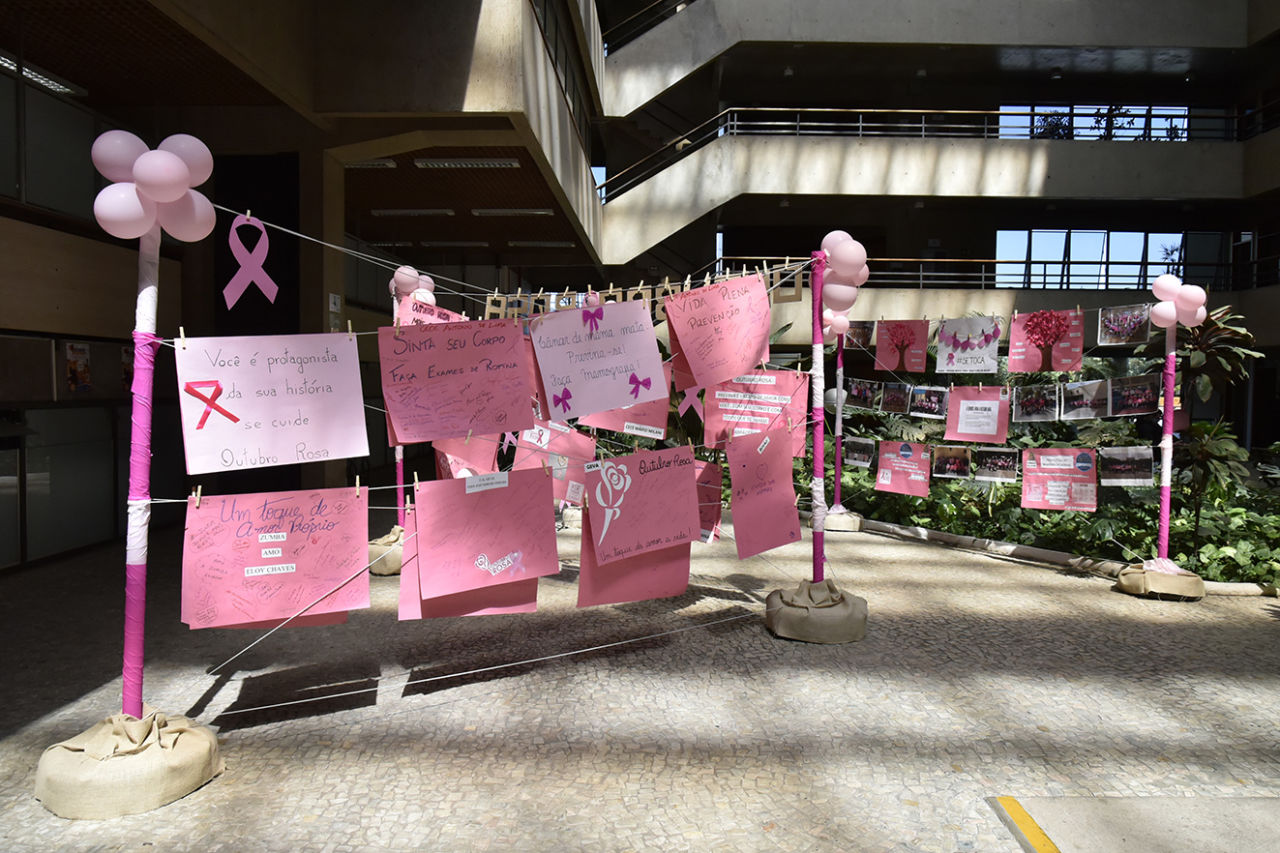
(357, 487)
(468, 441)
(397, 331)
(415, 479)
(197, 493)
(350, 334)
(182, 336)
(248, 214)
(979, 387)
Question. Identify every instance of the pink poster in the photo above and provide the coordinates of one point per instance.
(485, 531)
(756, 402)
(643, 419)
(654, 574)
(710, 481)
(764, 497)
(1060, 478)
(255, 402)
(451, 379)
(1046, 340)
(413, 312)
(902, 345)
(561, 450)
(597, 359)
(721, 330)
(978, 414)
(904, 468)
(968, 345)
(253, 558)
(643, 502)
(466, 457)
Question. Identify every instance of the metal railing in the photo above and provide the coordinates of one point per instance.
(631, 28)
(941, 124)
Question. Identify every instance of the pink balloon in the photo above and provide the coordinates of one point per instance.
(189, 219)
(861, 276)
(114, 153)
(426, 282)
(1166, 287)
(848, 257)
(839, 324)
(405, 279)
(193, 152)
(827, 314)
(123, 212)
(839, 297)
(830, 241)
(1192, 317)
(161, 176)
(828, 335)
(1164, 314)
(1190, 297)
(593, 299)
(424, 295)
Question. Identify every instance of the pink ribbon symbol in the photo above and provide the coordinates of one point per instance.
(251, 271)
(592, 318)
(209, 404)
(691, 399)
(562, 400)
(636, 383)
(508, 439)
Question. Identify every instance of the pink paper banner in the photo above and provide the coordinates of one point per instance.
(968, 345)
(563, 451)
(643, 502)
(721, 330)
(756, 402)
(643, 419)
(461, 457)
(978, 414)
(902, 345)
(260, 557)
(256, 402)
(450, 379)
(594, 360)
(903, 468)
(1060, 478)
(1046, 340)
(485, 531)
(412, 312)
(710, 481)
(764, 497)
(654, 574)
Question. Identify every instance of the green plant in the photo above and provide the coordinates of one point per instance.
(1212, 467)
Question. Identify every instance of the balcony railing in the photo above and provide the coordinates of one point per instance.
(631, 28)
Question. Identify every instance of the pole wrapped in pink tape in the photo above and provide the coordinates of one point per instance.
(816, 273)
(1166, 441)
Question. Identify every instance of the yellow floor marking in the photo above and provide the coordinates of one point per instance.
(1031, 831)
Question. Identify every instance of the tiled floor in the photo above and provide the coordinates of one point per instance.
(978, 677)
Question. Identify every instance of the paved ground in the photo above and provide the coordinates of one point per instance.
(978, 678)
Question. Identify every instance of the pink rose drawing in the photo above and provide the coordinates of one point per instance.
(614, 484)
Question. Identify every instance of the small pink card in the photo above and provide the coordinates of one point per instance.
(461, 457)
(643, 419)
(538, 399)
(450, 379)
(654, 574)
(978, 414)
(643, 502)
(597, 359)
(710, 484)
(563, 451)
(1046, 340)
(904, 468)
(1060, 478)
(485, 531)
(902, 345)
(254, 558)
(756, 402)
(411, 312)
(722, 330)
(764, 497)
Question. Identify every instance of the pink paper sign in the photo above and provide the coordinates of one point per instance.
(902, 345)
(1060, 478)
(764, 497)
(485, 531)
(904, 468)
(561, 450)
(597, 359)
(252, 558)
(758, 401)
(710, 484)
(654, 574)
(413, 312)
(462, 457)
(1046, 340)
(450, 379)
(255, 402)
(978, 414)
(721, 330)
(968, 345)
(644, 419)
(643, 502)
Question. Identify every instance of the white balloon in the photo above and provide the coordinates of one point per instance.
(124, 212)
(425, 296)
(829, 399)
(405, 279)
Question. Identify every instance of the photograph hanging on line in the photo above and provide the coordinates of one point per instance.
(1124, 325)
(864, 394)
(859, 452)
(1082, 400)
(995, 464)
(895, 397)
(1126, 466)
(859, 334)
(1135, 395)
(928, 401)
(1035, 403)
(952, 460)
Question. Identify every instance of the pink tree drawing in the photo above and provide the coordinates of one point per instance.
(901, 336)
(1043, 330)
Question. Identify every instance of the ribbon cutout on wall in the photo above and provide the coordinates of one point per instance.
(691, 400)
(562, 400)
(637, 383)
(209, 404)
(250, 261)
(592, 319)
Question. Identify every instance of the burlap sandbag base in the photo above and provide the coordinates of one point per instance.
(392, 546)
(816, 613)
(1160, 579)
(125, 765)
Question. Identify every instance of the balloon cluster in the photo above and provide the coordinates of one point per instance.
(153, 186)
(1179, 303)
(846, 271)
(407, 281)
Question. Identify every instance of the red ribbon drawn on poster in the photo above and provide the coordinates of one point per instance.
(209, 404)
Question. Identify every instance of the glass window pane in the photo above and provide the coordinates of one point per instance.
(1047, 249)
(9, 538)
(1124, 260)
(60, 174)
(1011, 256)
(1164, 253)
(1015, 122)
(70, 480)
(8, 136)
(1087, 248)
